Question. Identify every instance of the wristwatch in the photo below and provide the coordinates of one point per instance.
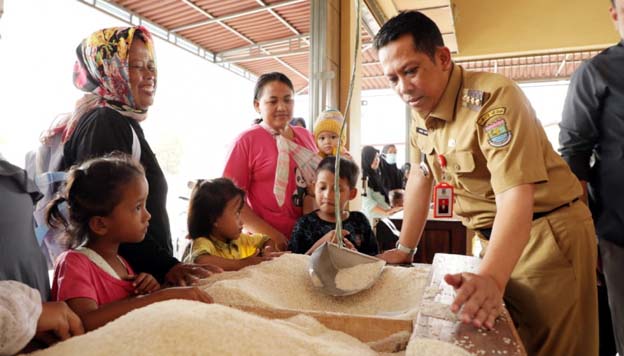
(410, 251)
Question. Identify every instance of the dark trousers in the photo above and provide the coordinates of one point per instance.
(606, 341)
(612, 266)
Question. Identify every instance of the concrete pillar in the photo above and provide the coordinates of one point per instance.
(333, 44)
(348, 61)
(324, 57)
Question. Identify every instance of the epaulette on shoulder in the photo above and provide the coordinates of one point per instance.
(474, 99)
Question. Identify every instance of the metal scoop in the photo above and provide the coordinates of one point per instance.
(329, 259)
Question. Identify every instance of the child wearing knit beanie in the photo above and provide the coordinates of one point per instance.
(326, 133)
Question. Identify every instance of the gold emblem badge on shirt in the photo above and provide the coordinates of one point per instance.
(474, 99)
(483, 119)
(498, 133)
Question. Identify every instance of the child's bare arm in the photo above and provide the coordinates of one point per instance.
(270, 243)
(385, 212)
(144, 283)
(269, 250)
(231, 265)
(94, 316)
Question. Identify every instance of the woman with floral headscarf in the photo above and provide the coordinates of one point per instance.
(117, 70)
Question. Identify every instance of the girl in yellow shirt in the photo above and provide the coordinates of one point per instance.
(215, 228)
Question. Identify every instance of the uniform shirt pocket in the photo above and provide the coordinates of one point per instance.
(462, 168)
(425, 146)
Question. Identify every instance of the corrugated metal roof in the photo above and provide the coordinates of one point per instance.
(258, 36)
(298, 62)
(520, 68)
(530, 68)
(273, 35)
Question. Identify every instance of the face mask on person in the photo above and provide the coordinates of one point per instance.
(390, 158)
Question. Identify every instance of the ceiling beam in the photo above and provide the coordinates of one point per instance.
(250, 58)
(267, 53)
(376, 11)
(278, 17)
(295, 70)
(283, 44)
(224, 25)
(213, 19)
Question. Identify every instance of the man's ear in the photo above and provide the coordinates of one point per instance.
(353, 193)
(443, 54)
(614, 16)
(98, 225)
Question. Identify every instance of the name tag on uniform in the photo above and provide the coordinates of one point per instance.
(443, 200)
(443, 194)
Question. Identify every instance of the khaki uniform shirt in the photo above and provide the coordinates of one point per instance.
(492, 141)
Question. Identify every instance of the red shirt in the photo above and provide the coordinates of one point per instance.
(75, 276)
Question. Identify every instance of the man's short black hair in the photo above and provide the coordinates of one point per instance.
(425, 33)
(348, 169)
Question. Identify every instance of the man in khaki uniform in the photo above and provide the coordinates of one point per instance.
(510, 186)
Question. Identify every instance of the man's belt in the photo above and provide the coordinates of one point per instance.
(488, 232)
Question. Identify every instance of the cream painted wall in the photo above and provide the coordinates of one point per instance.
(491, 28)
(494, 27)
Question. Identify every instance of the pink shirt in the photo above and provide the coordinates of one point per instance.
(75, 276)
(251, 164)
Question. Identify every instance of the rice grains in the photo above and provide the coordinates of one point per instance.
(180, 327)
(284, 283)
(359, 276)
(427, 347)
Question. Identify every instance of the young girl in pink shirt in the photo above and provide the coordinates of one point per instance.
(106, 207)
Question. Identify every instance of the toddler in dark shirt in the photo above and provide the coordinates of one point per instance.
(313, 229)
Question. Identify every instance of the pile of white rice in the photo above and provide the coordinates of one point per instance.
(358, 276)
(431, 347)
(178, 327)
(284, 283)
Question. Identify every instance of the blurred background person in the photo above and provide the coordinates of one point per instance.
(298, 121)
(405, 171)
(21, 258)
(391, 175)
(375, 202)
(591, 139)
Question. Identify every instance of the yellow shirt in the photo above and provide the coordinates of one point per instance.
(243, 247)
(492, 141)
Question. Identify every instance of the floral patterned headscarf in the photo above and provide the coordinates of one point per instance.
(101, 70)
